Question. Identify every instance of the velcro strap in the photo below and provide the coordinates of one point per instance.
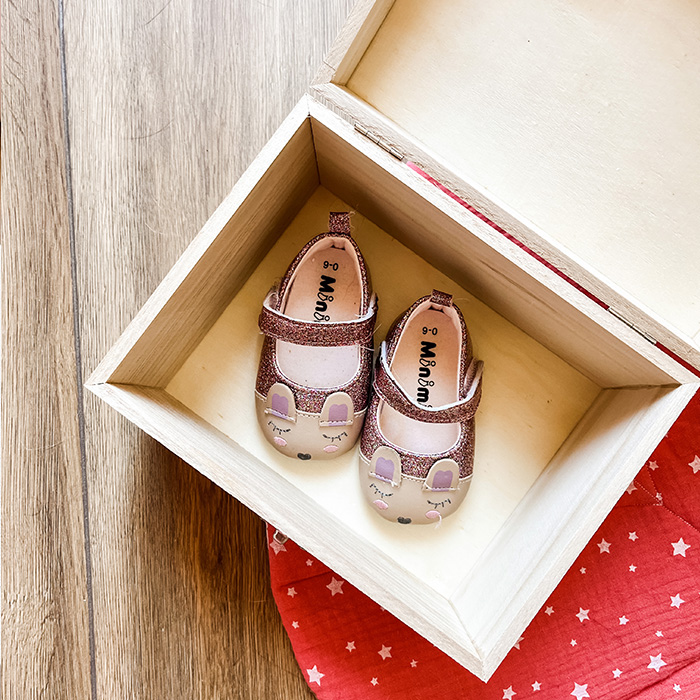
(388, 388)
(325, 334)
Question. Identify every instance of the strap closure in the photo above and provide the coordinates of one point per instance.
(388, 388)
(292, 330)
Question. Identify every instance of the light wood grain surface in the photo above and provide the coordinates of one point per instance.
(125, 573)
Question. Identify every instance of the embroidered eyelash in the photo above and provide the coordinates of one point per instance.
(278, 429)
(441, 504)
(379, 491)
(335, 437)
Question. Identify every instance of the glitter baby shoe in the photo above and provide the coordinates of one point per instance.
(313, 380)
(417, 447)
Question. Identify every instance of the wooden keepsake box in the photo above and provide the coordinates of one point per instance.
(539, 161)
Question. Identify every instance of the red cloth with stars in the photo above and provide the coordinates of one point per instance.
(623, 623)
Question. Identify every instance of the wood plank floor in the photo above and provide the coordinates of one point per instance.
(125, 573)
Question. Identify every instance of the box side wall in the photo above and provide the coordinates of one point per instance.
(493, 268)
(278, 502)
(561, 512)
(356, 35)
(218, 261)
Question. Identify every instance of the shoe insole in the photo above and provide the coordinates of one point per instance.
(426, 366)
(327, 287)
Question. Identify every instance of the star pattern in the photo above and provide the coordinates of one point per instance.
(676, 601)
(656, 662)
(315, 675)
(276, 547)
(643, 541)
(335, 586)
(580, 691)
(680, 548)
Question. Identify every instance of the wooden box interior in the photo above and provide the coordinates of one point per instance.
(574, 400)
(575, 124)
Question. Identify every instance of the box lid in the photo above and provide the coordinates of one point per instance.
(573, 126)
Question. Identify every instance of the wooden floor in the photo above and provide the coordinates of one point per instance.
(125, 573)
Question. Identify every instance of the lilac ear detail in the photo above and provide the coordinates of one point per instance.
(280, 404)
(384, 469)
(442, 480)
(443, 476)
(385, 465)
(338, 413)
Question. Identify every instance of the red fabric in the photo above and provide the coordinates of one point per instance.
(629, 605)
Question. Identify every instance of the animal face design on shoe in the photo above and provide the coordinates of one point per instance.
(417, 447)
(409, 500)
(313, 378)
(303, 435)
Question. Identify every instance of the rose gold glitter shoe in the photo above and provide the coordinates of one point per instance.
(313, 379)
(417, 448)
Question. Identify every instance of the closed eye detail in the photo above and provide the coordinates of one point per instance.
(277, 429)
(441, 504)
(377, 490)
(332, 438)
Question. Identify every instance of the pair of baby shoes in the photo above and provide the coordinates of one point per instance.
(313, 397)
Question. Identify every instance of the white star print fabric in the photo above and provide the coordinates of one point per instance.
(623, 623)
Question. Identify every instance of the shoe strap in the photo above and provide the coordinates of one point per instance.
(390, 390)
(293, 330)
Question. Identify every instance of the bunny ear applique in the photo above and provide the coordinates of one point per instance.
(280, 403)
(337, 411)
(386, 465)
(443, 476)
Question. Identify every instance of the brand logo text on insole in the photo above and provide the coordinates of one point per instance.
(324, 297)
(426, 363)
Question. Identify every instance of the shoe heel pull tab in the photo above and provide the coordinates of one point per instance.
(339, 222)
(441, 298)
